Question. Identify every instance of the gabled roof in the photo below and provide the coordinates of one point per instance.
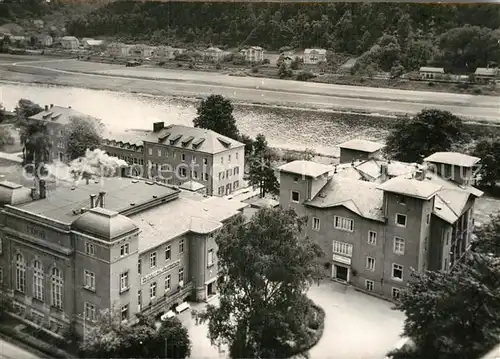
(438, 70)
(57, 114)
(318, 51)
(362, 145)
(372, 168)
(306, 168)
(453, 158)
(361, 197)
(410, 187)
(482, 71)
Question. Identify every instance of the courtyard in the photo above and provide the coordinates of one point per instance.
(357, 326)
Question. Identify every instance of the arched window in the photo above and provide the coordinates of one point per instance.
(38, 277)
(20, 273)
(56, 287)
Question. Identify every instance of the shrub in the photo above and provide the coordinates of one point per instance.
(191, 66)
(218, 66)
(477, 91)
(255, 69)
(161, 63)
(305, 75)
(430, 84)
(266, 62)
(179, 64)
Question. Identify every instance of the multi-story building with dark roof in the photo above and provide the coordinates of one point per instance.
(140, 247)
(376, 219)
(182, 154)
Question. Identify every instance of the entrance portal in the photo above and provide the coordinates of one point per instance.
(340, 273)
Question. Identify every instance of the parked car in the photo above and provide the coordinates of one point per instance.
(132, 63)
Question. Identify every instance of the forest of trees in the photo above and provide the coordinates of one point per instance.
(457, 36)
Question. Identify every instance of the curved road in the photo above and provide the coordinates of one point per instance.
(11, 351)
(254, 90)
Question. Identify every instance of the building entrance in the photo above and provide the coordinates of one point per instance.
(340, 273)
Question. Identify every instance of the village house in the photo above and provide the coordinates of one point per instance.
(214, 54)
(253, 54)
(167, 52)
(314, 56)
(431, 73)
(18, 40)
(375, 219)
(486, 75)
(358, 149)
(69, 43)
(45, 40)
(88, 43)
(56, 118)
(117, 49)
(141, 51)
(142, 247)
(181, 154)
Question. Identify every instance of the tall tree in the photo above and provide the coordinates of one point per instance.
(430, 131)
(216, 113)
(489, 152)
(36, 143)
(452, 315)
(488, 237)
(268, 267)
(25, 109)
(82, 134)
(261, 171)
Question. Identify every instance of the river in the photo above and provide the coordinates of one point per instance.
(283, 127)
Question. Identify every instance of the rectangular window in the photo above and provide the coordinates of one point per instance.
(205, 176)
(229, 158)
(369, 285)
(181, 275)
(89, 280)
(399, 245)
(181, 246)
(183, 156)
(236, 155)
(395, 293)
(210, 257)
(168, 253)
(222, 160)
(428, 218)
(342, 248)
(372, 237)
(221, 176)
(166, 153)
(123, 282)
(397, 272)
(193, 159)
(205, 161)
(152, 291)
(90, 312)
(167, 282)
(139, 266)
(124, 312)
(236, 184)
(150, 151)
(124, 249)
(295, 196)
(195, 174)
(400, 220)
(152, 260)
(315, 224)
(221, 190)
(370, 263)
(445, 264)
(228, 173)
(89, 249)
(345, 224)
(236, 171)
(159, 152)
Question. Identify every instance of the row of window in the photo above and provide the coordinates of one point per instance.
(228, 188)
(56, 281)
(398, 246)
(397, 269)
(165, 153)
(235, 171)
(370, 285)
(347, 224)
(129, 159)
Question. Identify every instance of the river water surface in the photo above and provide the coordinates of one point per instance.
(283, 127)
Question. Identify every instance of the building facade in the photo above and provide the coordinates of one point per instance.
(70, 43)
(135, 246)
(314, 56)
(431, 73)
(117, 49)
(253, 54)
(357, 149)
(179, 154)
(374, 228)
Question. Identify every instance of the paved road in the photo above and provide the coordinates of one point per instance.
(10, 351)
(250, 90)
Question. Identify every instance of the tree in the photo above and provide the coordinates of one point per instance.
(248, 141)
(488, 237)
(489, 152)
(430, 131)
(110, 338)
(216, 113)
(284, 71)
(452, 315)
(261, 171)
(268, 267)
(36, 143)
(25, 109)
(82, 134)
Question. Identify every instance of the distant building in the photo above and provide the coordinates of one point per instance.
(214, 54)
(314, 56)
(141, 247)
(431, 73)
(253, 54)
(91, 43)
(348, 65)
(18, 40)
(167, 52)
(181, 154)
(117, 49)
(141, 51)
(70, 43)
(357, 149)
(45, 40)
(486, 75)
(377, 219)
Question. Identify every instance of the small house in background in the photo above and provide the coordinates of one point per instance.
(167, 52)
(486, 75)
(314, 56)
(70, 43)
(118, 49)
(214, 54)
(45, 40)
(88, 43)
(141, 51)
(38, 23)
(18, 40)
(348, 65)
(253, 54)
(431, 73)
(358, 149)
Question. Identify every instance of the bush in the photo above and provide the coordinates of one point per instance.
(266, 62)
(430, 84)
(191, 66)
(179, 64)
(255, 69)
(477, 91)
(305, 75)
(316, 322)
(161, 63)
(218, 66)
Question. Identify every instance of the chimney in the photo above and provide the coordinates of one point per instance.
(100, 200)
(158, 126)
(46, 107)
(92, 200)
(420, 174)
(51, 105)
(384, 171)
(43, 189)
